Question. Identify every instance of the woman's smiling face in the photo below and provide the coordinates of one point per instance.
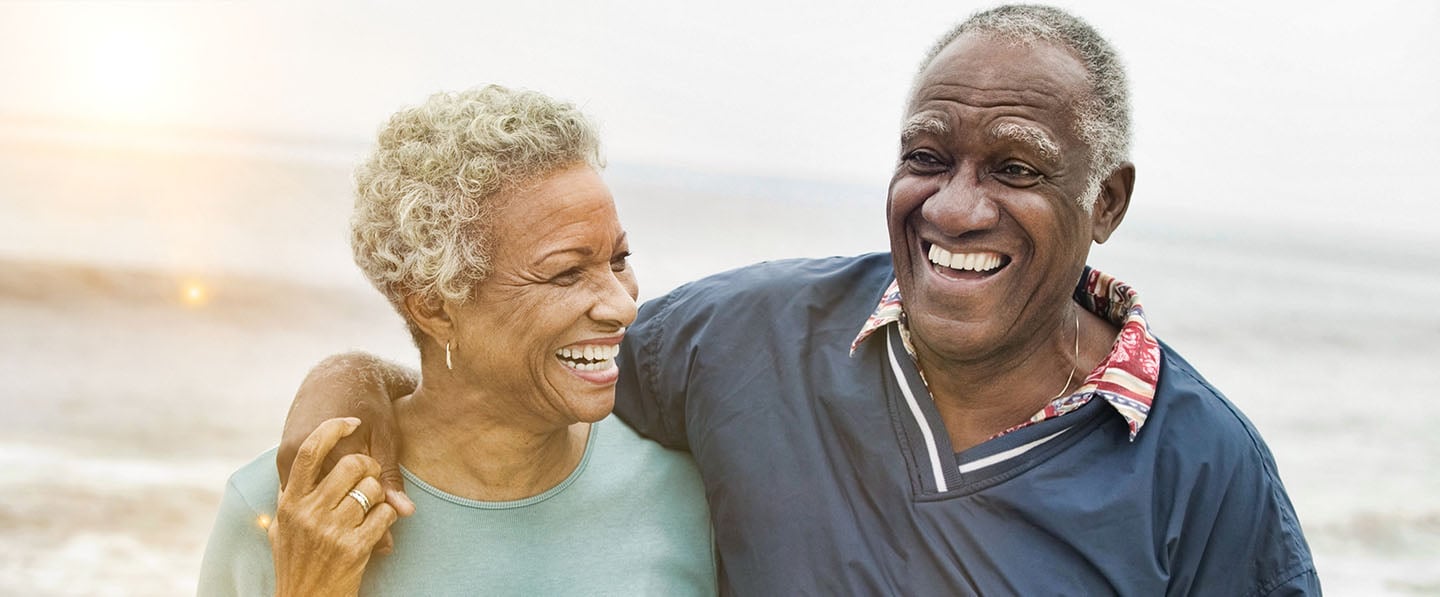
(541, 331)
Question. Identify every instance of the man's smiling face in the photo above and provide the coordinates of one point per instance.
(986, 231)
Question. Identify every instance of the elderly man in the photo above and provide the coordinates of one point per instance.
(977, 411)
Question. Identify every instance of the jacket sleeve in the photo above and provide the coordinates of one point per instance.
(1305, 583)
(237, 558)
(650, 394)
(1254, 545)
(1236, 531)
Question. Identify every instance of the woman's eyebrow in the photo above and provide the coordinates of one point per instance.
(582, 251)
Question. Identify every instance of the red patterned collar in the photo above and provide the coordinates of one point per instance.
(1126, 379)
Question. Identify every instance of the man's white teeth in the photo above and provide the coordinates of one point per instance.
(590, 357)
(979, 262)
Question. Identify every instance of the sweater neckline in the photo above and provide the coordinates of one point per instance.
(416, 481)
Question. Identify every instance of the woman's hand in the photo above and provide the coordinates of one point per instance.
(322, 536)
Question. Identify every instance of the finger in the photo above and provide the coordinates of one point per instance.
(352, 509)
(341, 479)
(306, 470)
(377, 522)
(355, 443)
(384, 447)
(396, 495)
(271, 531)
(387, 544)
(285, 457)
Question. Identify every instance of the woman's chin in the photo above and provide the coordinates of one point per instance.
(589, 409)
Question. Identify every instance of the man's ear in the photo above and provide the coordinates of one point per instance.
(1112, 203)
(431, 316)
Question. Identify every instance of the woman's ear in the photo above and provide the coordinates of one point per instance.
(431, 316)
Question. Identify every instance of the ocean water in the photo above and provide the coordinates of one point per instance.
(158, 307)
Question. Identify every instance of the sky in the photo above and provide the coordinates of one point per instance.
(1321, 112)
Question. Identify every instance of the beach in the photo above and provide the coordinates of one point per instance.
(158, 308)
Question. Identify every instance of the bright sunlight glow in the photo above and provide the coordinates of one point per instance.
(119, 69)
(193, 293)
(126, 71)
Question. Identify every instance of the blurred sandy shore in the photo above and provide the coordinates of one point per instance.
(126, 407)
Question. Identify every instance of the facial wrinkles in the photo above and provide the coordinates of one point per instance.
(538, 392)
(938, 115)
(567, 247)
(988, 97)
(1021, 124)
(1042, 97)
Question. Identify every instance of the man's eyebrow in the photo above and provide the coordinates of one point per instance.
(1029, 135)
(923, 124)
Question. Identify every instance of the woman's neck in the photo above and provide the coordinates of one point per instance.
(457, 445)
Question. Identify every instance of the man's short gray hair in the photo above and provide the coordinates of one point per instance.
(1103, 119)
(425, 197)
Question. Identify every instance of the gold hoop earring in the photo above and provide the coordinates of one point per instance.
(448, 364)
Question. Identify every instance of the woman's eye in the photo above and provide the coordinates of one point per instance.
(621, 262)
(568, 277)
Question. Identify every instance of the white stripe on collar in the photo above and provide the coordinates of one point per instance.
(935, 467)
(998, 458)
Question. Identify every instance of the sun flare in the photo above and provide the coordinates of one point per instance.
(193, 293)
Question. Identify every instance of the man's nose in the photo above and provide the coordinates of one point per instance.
(961, 205)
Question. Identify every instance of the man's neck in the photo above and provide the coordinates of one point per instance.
(458, 444)
(978, 400)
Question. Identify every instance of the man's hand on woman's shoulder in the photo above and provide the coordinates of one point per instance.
(358, 385)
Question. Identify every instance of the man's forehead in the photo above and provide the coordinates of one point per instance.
(1028, 72)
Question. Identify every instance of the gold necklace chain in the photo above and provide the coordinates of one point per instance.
(1071, 377)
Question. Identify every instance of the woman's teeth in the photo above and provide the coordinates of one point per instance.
(979, 262)
(590, 357)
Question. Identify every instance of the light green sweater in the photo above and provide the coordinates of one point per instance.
(631, 520)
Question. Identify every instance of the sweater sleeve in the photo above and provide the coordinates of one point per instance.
(237, 557)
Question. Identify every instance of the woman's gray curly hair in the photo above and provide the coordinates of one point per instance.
(425, 197)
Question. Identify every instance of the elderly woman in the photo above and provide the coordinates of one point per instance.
(482, 218)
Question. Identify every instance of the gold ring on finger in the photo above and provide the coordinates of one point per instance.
(361, 499)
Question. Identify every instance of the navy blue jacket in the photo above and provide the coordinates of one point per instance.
(818, 483)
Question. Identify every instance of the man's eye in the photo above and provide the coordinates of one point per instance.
(924, 161)
(1018, 170)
